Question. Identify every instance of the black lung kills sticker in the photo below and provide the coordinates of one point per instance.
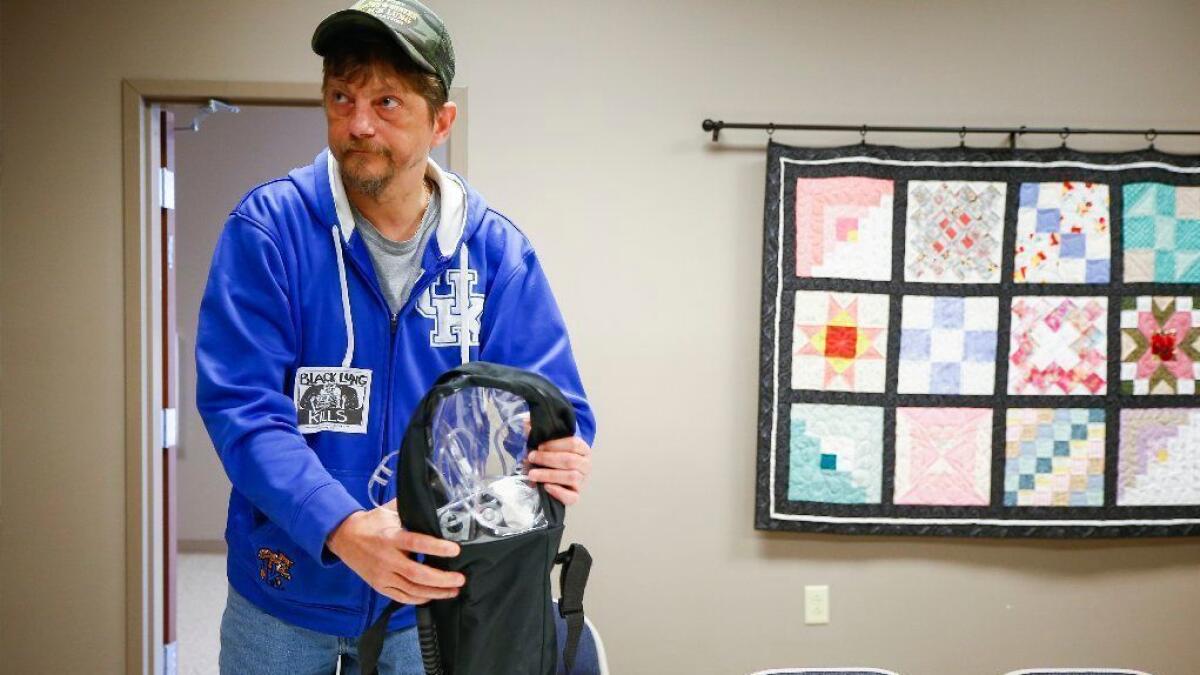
(333, 399)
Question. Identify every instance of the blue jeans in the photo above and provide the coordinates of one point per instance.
(256, 643)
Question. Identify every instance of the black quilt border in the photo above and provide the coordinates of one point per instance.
(1112, 401)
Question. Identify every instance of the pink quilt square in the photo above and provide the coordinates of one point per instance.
(844, 228)
(943, 456)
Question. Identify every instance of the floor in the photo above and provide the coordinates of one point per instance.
(201, 590)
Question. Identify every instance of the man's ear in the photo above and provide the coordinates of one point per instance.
(443, 122)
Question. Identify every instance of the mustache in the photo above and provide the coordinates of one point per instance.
(373, 149)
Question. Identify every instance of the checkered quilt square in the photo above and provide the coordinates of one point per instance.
(1054, 457)
(947, 345)
(1063, 233)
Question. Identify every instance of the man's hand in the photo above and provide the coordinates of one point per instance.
(563, 465)
(373, 544)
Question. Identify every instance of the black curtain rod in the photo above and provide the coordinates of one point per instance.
(1013, 132)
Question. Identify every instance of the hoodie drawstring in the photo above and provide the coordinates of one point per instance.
(349, 318)
(464, 297)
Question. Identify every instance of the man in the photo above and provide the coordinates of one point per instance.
(336, 296)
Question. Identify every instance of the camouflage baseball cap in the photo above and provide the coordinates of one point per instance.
(414, 27)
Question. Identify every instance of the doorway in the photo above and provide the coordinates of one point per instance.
(192, 150)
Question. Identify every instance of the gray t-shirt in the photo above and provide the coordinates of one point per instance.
(398, 263)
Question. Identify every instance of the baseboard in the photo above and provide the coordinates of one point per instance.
(202, 546)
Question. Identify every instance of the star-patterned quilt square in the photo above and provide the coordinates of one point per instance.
(1160, 345)
(1058, 345)
(836, 454)
(943, 456)
(844, 228)
(947, 345)
(1162, 233)
(1159, 457)
(839, 341)
(1054, 457)
(954, 232)
(1063, 233)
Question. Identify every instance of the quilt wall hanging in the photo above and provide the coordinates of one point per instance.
(980, 342)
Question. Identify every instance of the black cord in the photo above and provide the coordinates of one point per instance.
(431, 652)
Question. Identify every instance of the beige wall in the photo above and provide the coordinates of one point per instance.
(585, 129)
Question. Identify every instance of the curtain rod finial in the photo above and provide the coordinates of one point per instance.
(714, 127)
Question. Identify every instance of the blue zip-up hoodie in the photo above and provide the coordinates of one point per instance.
(306, 381)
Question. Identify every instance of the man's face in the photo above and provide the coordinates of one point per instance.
(378, 128)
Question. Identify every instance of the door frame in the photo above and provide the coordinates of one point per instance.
(144, 510)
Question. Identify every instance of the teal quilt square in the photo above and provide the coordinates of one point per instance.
(1161, 233)
(836, 454)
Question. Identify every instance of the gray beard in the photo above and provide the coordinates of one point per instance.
(372, 186)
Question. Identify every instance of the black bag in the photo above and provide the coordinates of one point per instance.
(501, 621)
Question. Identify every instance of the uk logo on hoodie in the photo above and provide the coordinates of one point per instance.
(445, 309)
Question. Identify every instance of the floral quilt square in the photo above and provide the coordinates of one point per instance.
(839, 341)
(844, 228)
(836, 454)
(1159, 457)
(1063, 233)
(1058, 345)
(954, 232)
(947, 345)
(1161, 233)
(1160, 345)
(943, 456)
(1054, 457)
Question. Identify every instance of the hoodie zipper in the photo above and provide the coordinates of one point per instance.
(387, 412)
(386, 433)
(424, 280)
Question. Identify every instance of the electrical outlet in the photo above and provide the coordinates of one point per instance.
(816, 604)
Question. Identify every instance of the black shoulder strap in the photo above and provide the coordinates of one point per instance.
(576, 563)
(370, 644)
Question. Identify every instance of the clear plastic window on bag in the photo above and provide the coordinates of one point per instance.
(478, 455)
(478, 437)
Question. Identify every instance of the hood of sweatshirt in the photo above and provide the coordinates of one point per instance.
(321, 188)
